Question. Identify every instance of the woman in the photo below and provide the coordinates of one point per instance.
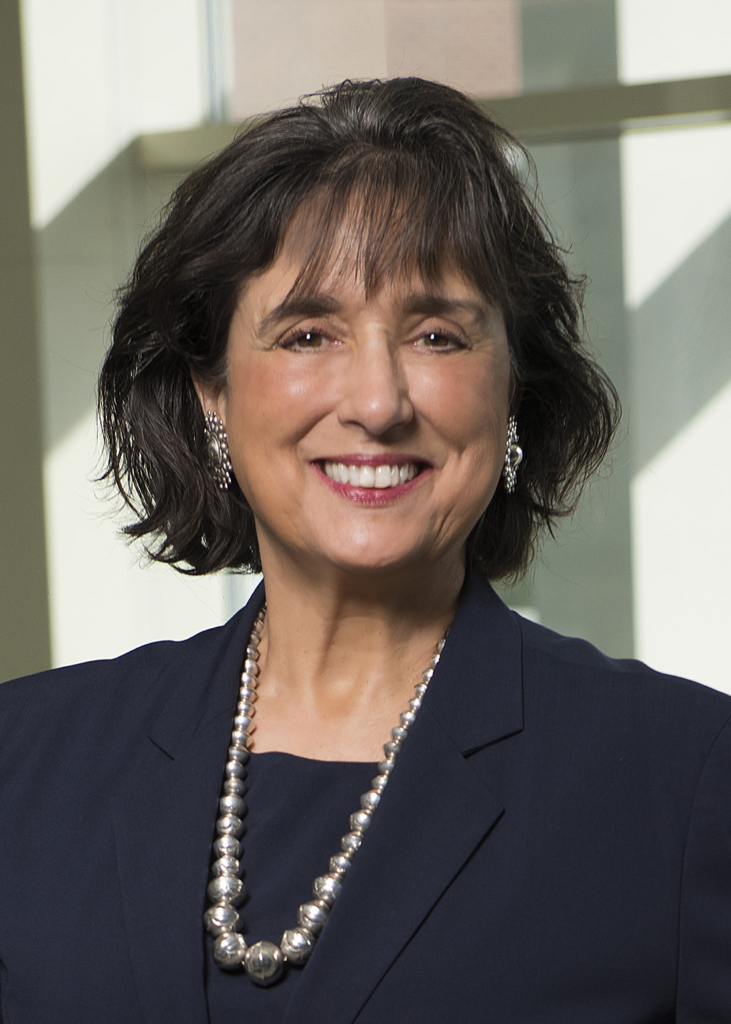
(350, 357)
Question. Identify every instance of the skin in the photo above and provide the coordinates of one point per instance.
(360, 586)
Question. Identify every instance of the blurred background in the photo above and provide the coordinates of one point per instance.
(626, 108)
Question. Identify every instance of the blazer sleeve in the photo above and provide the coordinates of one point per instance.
(704, 967)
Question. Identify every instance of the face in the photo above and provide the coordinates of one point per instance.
(367, 432)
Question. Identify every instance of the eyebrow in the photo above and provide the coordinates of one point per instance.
(295, 306)
(430, 304)
(421, 303)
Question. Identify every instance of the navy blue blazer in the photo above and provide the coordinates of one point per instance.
(554, 846)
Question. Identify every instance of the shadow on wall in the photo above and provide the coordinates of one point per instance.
(681, 346)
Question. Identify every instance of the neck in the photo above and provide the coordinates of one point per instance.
(341, 653)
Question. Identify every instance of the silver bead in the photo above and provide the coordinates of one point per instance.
(243, 723)
(440, 645)
(234, 786)
(313, 915)
(238, 752)
(297, 944)
(360, 820)
(339, 864)
(370, 800)
(351, 841)
(229, 825)
(233, 805)
(226, 888)
(407, 718)
(327, 888)
(239, 738)
(421, 688)
(378, 782)
(247, 680)
(399, 733)
(252, 653)
(235, 768)
(229, 949)
(227, 846)
(250, 668)
(248, 694)
(386, 767)
(264, 963)
(219, 918)
(415, 703)
(225, 866)
(391, 750)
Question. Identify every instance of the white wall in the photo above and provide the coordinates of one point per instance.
(682, 550)
(666, 39)
(99, 72)
(677, 264)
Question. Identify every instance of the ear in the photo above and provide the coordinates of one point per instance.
(211, 397)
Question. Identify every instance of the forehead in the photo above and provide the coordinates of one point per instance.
(357, 256)
(379, 241)
(280, 294)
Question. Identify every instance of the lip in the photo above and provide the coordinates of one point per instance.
(374, 496)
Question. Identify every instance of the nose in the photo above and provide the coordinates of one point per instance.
(375, 394)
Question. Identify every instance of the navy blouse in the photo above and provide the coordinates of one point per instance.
(298, 810)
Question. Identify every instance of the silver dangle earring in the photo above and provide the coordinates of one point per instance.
(513, 456)
(219, 459)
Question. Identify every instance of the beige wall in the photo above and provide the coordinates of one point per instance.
(284, 48)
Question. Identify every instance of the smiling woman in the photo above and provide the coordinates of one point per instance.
(350, 357)
(403, 184)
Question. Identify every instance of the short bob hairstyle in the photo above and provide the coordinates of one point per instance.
(395, 177)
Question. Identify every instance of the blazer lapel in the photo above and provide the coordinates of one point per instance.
(433, 814)
(164, 821)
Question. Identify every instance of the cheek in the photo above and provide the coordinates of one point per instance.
(269, 410)
(469, 407)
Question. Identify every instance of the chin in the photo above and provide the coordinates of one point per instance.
(381, 558)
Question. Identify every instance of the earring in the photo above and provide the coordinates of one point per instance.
(513, 456)
(219, 459)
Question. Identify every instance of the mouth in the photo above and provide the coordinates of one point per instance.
(372, 475)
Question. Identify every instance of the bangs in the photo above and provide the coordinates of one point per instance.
(381, 216)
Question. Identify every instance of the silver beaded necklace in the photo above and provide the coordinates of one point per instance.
(264, 961)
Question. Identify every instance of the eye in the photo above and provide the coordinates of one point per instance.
(440, 341)
(305, 340)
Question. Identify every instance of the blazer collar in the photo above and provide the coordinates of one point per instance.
(477, 690)
(205, 683)
(483, 651)
(164, 822)
(434, 813)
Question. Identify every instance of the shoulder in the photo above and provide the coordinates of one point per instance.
(133, 684)
(626, 692)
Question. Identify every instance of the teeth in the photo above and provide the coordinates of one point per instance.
(370, 476)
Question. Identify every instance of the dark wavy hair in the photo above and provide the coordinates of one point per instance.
(422, 180)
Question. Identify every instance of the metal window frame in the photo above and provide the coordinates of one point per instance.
(598, 111)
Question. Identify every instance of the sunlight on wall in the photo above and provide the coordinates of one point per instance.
(666, 39)
(682, 550)
(102, 602)
(98, 75)
(676, 190)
